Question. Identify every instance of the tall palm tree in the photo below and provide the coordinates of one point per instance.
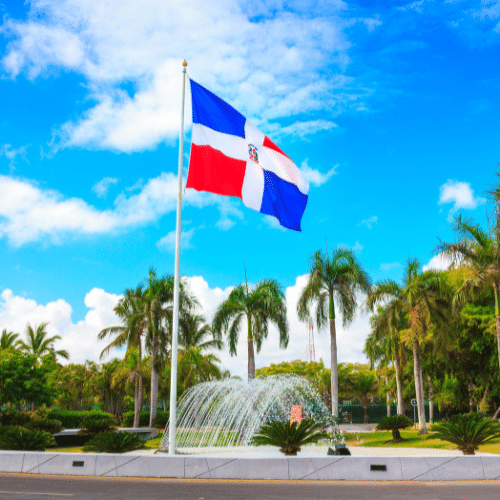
(129, 334)
(480, 251)
(263, 304)
(364, 385)
(422, 298)
(38, 344)
(333, 279)
(158, 316)
(8, 339)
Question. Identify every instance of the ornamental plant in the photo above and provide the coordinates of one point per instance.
(19, 438)
(394, 423)
(45, 424)
(114, 442)
(468, 431)
(94, 424)
(289, 437)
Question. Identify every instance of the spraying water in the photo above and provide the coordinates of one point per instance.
(227, 413)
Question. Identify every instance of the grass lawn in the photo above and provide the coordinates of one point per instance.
(414, 440)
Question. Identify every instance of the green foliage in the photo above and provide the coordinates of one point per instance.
(394, 423)
(73, 419)
(95, 423)
(289, 437)
(114, 442)
(10, 417)
(23, 379)
(49, 425)
(19, 438)
(468, 431)
(160, 421)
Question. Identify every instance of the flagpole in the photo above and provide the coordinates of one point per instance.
(175, 326)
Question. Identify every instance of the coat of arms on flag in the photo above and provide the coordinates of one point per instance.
(231, 157)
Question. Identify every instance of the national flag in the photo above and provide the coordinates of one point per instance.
(231, 157)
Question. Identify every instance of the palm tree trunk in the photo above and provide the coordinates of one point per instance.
(419, 387)
(497, 314)
(334, 367)
(431, 400)
(399, 385)
(138, 395)
(388, 397)
(154, 381)
(251, 355)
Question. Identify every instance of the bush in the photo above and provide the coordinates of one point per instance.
(13, 417)
(468, 431)
(73, 419)
(19, 438)
(46, 424)
(94, 424)
(114, 442)
(289, 437)
(393, 424)
(161, 419)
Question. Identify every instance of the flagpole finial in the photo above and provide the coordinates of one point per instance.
(184, 63)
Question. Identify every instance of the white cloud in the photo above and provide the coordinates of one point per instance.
(460, 194)
(101, 188)
(358, 247)
(79, 339)
(439, 262)
(314, 176)
(168, 242)
(388, 266)
(12, 153)
(302, 129)
(29, 213)
(369, 223)
(286, 62)
(228, 213)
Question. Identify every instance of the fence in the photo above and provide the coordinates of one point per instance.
(376, 412)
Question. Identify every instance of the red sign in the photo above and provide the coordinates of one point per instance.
(296, 415)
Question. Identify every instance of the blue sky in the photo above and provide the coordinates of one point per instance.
(389, 108)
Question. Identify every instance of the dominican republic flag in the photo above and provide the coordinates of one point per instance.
(229, 156)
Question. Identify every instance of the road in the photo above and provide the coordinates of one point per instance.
(33, 487)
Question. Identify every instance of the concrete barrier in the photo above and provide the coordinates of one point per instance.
(295, 468)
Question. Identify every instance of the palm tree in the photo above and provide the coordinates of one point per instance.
(158, 315)
(263, 304)
(480, 251)
(333, 279)
(38, 344)
(364, 385)
(422, 300)
(8, 339)
(129, 334)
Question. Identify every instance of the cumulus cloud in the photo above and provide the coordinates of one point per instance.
(29, 213)
(314, 176)
(13, 153)
(101, 188)
(439, 262)
(80, 338)
(283, 63)
(370, 222)
(460, 194)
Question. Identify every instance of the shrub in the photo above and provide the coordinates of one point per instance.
(46, 424)
(13, 417)
(94, 424)
(114, 442)
(161, 419)
(19, 438)
(71, 419)
(394, 423)
(468, 431)
(289, 437)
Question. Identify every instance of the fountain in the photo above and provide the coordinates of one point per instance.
(224, 415)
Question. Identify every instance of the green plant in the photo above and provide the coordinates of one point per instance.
(13, 417)
(393, 424)
(45, 424)
(114, 442)
(19, 438)
(289, 437)
(72, 419)
(94, 424)
(161, 419)
(468, 431)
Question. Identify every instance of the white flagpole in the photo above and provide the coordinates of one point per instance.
(175, 326)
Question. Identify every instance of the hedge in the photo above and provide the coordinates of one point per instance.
(71, 419)
(161, 419)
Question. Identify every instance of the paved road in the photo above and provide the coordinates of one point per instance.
(22, 487)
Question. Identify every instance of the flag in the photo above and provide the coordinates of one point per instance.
(231, 157)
